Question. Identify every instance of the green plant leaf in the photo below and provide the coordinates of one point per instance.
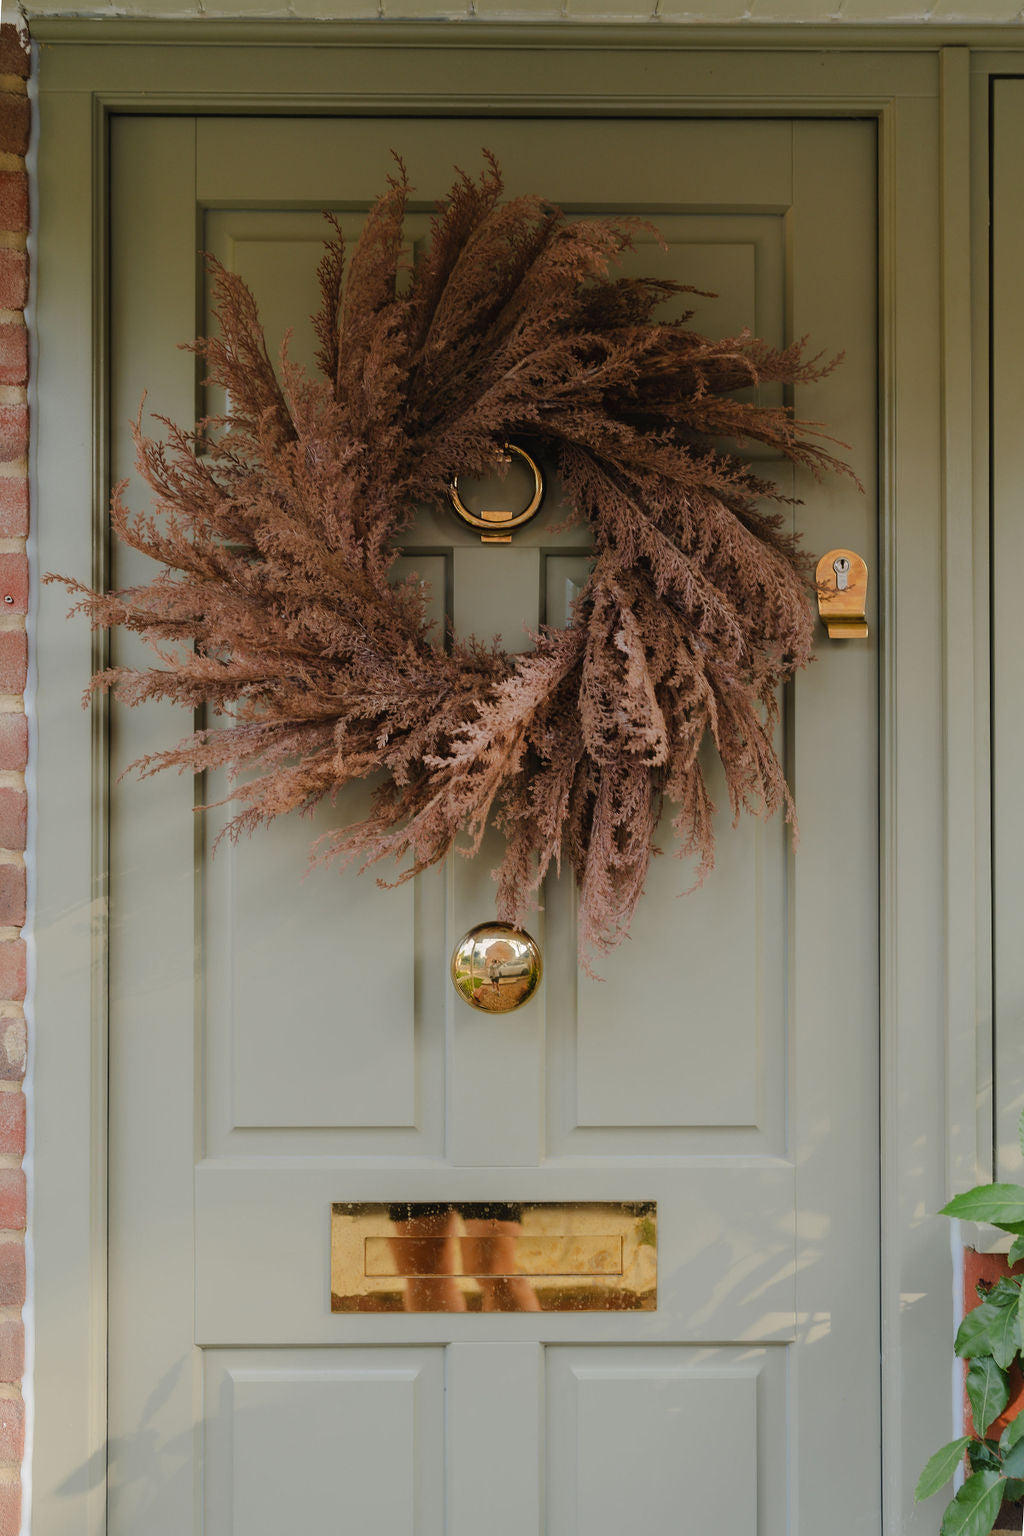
(1016, 1252)
(989, 1329)
(1013, 1461)
(972, 1335)
(988, 1390)
(973, 1511)
(1013, 1432)
(984, 1453)
(1005, 1292)
(1014, 1488)
(1001, 1205)
(940, 1468)
(1006, 1335)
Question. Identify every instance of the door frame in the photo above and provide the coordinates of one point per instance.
(935, 1048)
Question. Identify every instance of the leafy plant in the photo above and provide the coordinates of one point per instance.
(990, 1340)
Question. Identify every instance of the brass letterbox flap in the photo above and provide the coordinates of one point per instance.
(494, 1256)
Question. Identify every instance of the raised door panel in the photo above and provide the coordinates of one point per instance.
(665, 1440)
(315, 1441)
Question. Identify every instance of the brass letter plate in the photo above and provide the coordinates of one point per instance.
(494, 1256)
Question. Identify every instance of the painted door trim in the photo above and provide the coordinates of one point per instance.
(924, 1046)
(483, 32)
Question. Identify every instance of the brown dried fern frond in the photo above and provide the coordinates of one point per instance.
(275, 603)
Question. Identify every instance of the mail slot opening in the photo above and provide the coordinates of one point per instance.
(494, 1256)
(539, 1257)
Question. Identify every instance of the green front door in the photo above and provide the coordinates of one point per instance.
(280, 1044)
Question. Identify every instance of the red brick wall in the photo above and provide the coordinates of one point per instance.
(14, 426)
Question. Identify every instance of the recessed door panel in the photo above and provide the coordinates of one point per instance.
(665, 1439)
(317, 1441)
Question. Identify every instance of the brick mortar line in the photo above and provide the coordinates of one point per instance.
(12, 703)
(11, 162)
(13, 85)
(11, 240)
(13, 394)
(11, 316)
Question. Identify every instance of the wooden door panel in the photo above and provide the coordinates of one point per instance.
(662, 1077)
(659, 1440)
(316, 1441)
(636, 1438)
(345, 161)
(726, 1250)
(303, 963)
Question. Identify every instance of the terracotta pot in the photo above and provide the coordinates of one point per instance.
(991, 1267)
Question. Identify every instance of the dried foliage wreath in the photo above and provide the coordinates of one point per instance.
(276, 528)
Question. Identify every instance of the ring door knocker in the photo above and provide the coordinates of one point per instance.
(495, 524)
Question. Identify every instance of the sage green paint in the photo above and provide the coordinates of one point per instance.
(1007, 550)
(634, 27)
(706, 1042)
(79, 86)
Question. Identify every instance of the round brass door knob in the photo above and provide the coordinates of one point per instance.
(496, 967)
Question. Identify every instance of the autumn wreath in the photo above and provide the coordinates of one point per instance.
(278, 525)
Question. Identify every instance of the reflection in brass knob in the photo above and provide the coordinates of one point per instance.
(496, 967)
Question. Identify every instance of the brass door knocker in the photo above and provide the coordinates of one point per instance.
(498, 522)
